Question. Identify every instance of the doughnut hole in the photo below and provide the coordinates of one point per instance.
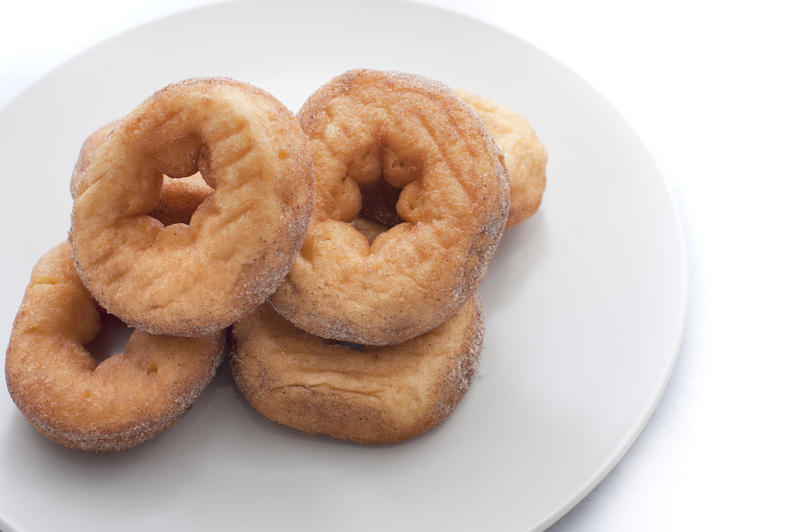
(110, 340)
(179, 157)
(381, 191)
(180, 198)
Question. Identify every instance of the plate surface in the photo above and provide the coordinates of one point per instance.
(585, 302)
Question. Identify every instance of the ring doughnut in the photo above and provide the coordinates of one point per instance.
(189, 280)
(415, 134)
(381, 395)
(525, 156)
(179, 197)
(68, 397)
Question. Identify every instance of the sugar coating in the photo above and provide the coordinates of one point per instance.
(415, 134)
(525, 156)
(383, 394)
(191, 280)
(68, 397)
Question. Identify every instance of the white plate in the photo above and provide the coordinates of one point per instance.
(585, 302)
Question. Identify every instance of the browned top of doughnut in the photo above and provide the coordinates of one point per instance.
(191, 279)
(415, 134)
(525, 156)
(381, 395)
(113, 405)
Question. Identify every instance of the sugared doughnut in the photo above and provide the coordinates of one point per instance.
(189, 280)
(380, 395)
(524, 154)
(414, 133)
(69, 398)
(179, 197)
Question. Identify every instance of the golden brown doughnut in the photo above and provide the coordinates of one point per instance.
(189, 280)
(179, 197)
(415, 134)
(69, 398)
(381, 395)
(525, 157)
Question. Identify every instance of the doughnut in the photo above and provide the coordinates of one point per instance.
(416, 135)
(190, 280)
(68, 397)
(525, 157)
(382, 394)
(179, 198)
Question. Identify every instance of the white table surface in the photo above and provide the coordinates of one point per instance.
(713, 88)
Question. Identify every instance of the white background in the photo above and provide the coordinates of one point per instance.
(714, 90)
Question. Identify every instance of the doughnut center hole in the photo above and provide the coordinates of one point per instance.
(180, 197)
(382, 173)
(379, 203)
(111, 340)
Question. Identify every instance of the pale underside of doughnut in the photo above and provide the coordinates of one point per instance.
(68, 397)
(181, 279)
(380, 395)
(525, 156)
(414, 134)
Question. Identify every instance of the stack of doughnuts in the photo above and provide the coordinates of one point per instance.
(343, 247)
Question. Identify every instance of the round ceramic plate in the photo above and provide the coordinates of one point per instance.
(584, 302)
